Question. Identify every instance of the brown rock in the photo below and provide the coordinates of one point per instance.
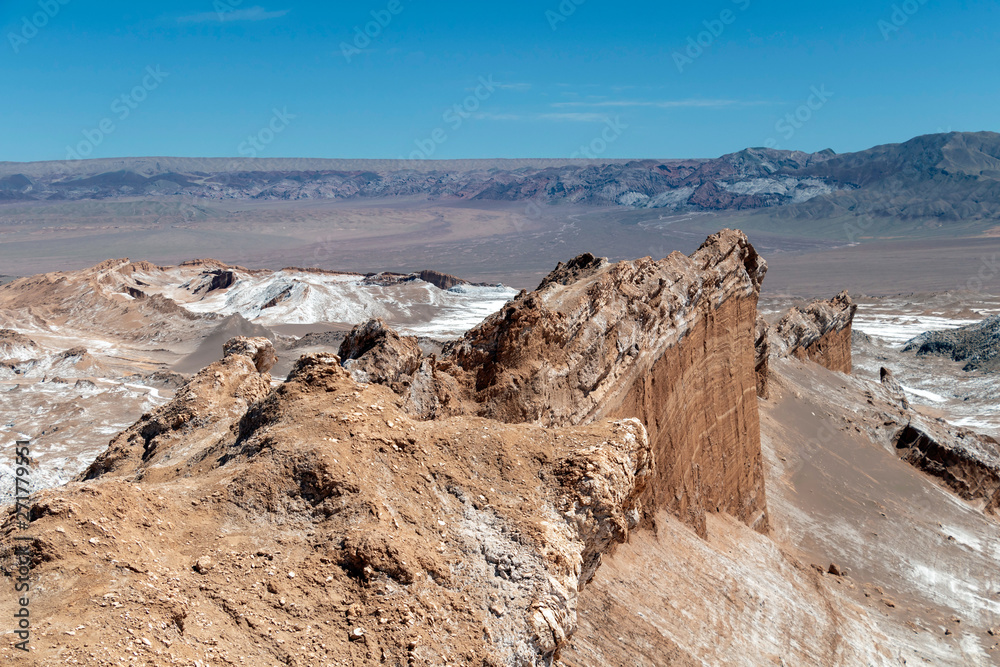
(350, 515)
(964, 461)
(762, 351)
(670, 342)
(821, 333)
(205, 409)
(373, 352)
(261, 350)
(441, 280)
(891, 385)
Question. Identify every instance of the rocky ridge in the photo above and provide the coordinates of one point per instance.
(978, 345)
(493, 499)
(417, 542)
(600, 340)
(387, 506)
(820, 332)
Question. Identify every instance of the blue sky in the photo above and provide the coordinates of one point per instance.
(280, 78)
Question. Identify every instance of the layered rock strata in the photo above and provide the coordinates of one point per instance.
(820, 332)
(671, 342)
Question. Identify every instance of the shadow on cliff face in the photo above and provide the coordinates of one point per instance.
(670, 342)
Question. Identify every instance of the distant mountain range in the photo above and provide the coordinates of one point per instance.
(948, 177)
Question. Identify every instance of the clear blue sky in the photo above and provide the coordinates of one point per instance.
(887, 71)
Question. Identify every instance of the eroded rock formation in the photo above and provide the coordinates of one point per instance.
(895, 389)
(14, 346)
(670, 342)
(821, 332)
(978, 345)
(324, 505)
(451, 516)
(441, 280)
(966, 462)
(375, 353)
(762, 352)
(203, 413)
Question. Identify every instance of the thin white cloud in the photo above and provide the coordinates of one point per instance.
(249, 14)
(576, 117)
(514, 86)
(517, 87)
(664, 104)
(573, 117)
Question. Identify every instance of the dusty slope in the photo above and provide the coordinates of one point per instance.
(325, 526)
(925, 563)
(919, 564)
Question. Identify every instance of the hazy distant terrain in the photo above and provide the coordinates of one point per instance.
(510, 221)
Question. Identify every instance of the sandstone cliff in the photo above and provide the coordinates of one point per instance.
(821, 333)
(670, 342)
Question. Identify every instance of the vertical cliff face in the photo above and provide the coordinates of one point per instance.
(671, 342)
(821, 332)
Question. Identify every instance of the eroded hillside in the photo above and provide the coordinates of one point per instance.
(580, 479)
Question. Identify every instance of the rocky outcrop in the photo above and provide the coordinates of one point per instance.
(260, 349)
(74, 362)
(968, 463)
(176, 437)
(441, 280)
(15, 346)
(213, 279)
(670, 342)
(328, 526)
(373, 352)
(821, 332)
(976, 344)
(891, 385)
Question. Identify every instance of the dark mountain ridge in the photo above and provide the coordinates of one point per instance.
(953, 176)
